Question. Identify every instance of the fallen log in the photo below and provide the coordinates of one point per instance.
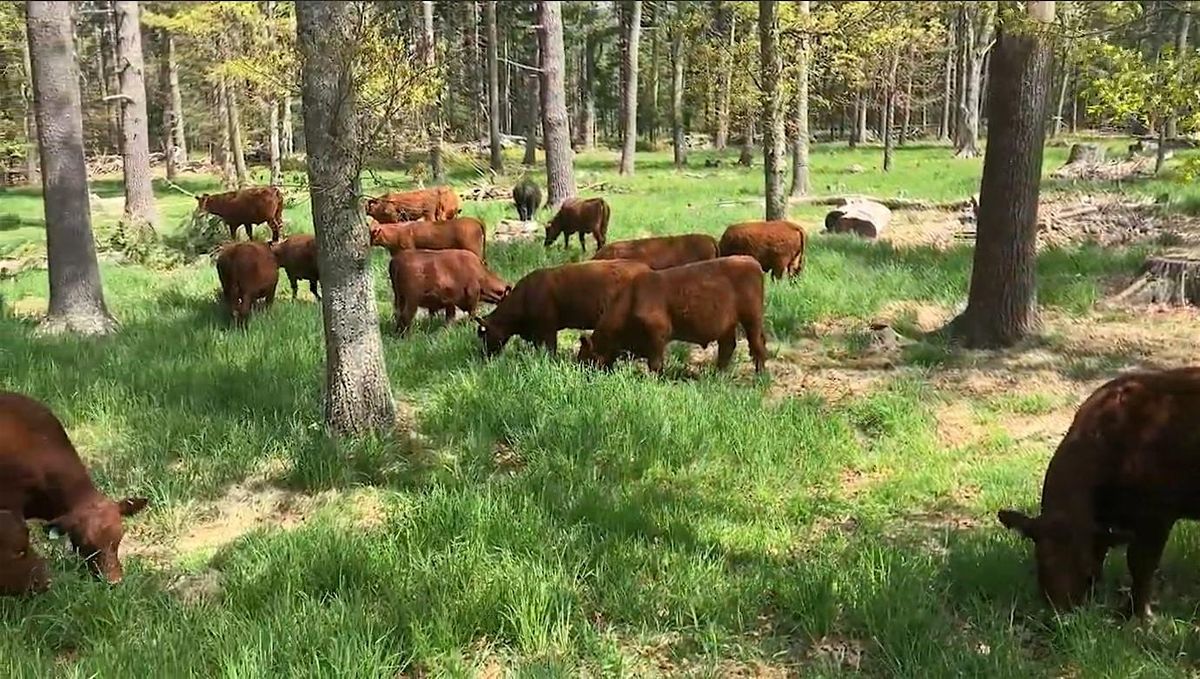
(865, 218)
(890, 203)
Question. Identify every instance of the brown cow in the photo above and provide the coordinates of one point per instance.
(699, 303)
(579, 216)
(440, 280)
(248, 273)
(437, 204)
(548, 300)
(298, 257)
(246, 207)
(1126, 471)
(662, 252)
(42, 477)
(21, 569)
(463, 233)
(777, 245)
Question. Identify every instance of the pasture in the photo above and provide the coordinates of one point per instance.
(535, 518)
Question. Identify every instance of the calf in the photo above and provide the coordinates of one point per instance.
(548, 300)
(700, 303)
(777, 245)
(440, 280)
(42, 477)
(1126, 471)
(21, 569)
(662, 252)
(246, 207)
(248, 273)
(581, 216)
(298, 257)
(437, 204)
(528, 198)
(464, 233)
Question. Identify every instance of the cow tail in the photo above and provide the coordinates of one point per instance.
(483, 240)
(604, 215)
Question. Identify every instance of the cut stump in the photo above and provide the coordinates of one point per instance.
(1171, 278)
(864, 218)
(1086, 153)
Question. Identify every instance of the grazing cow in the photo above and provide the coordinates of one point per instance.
(440, 280)
(700, 303)
(21, 569)
(777, 245)
(298, 257)
(528, 198)
(1126, 471)
(548, 300)
(437, 204)
(662, 252)
(246, 207)
(248, 273)
(579, 216)
(42, 477)
(463, 233)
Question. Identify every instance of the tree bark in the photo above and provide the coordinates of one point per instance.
(175, 129)
(236, 147)
(493, 66)
(76, 294)
(286, 132)
(1181, 41)
(429, 58)
(773, 136)
(725, 76)
(225, 150)
(31, 135)
(1160, 154)
(906, 115)
(1062, 96)
(273, 112)
(800, 114)
(358, 397)
(888, 114)
(589, 93)
(860, 127)
(633, 18)
(140, 210)
(944, 126)
(1002, 303)
(746, 156)
(533, 109)
(475, 70)
(650, 121)
(170, 151)
(560, 170)
(678, 142)
(108, 62)
(976, 45)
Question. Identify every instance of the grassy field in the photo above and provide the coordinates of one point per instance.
(541, 519)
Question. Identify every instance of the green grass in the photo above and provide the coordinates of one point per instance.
(555, 520)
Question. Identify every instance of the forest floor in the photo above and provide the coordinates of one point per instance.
(534, 518)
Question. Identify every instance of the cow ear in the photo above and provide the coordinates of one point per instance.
(1113, 537)
(132, 505)
(1023, 524)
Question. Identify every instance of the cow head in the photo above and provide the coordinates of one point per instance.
(494, 289)
(587, 350)
(95, 530)
(1069, 555)
(21, 570)
(491, 336)
(202, 202)
(552, 231)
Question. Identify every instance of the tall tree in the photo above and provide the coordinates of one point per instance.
(140, 210)
(588, 132)
(31, 143)
(286, 132)
(1181, 42)
(800, 111)
(237, 147)
(560, 169)
(493, 66)
(977, 29)
(629, 106)
(772, 109)
(272, 104)
(678, 142)
(76, 295)
(944, 125)
(358, 397)
(429, 59)
(174, 138)
(108, 63)
(726, 25)
(1002, 303)
(533, 108)
(224, 150)
(888, 114)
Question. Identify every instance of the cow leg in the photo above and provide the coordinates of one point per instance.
(1143, 556)
(656, 356)
(549, 340)
(269, 297)
(758, 344)
(233, 232)
(295, 287)
(249, 232)
(450, 313)
(312, 285)
(725, 347)
(1099, 554)
(779, 269)
(276, 228)
(582, 243)
(404, 316)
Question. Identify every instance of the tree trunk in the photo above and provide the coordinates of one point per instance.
(906, 117)
(286, 131)
(506, 95)
(228, 176)
(889, 112)
(140, 210)
(725, 77)
(633, 18)
(31, 136)
(1181, 41)
(475, 71)
(944, 126)
(493, 66)
(236, 147)
(170, 151)
(650, 122)
(560, 170)
(273, 141)
(108, 60)
(175, 121)
(76, 294)
(746, 157)
(358, 397)
(1002, 304)
(1062, 95)
(589, 93)
(1160, 154)
(966, 144)
(860, 128)
(429, 58)
(533, 111)
(678, 142)
(773, 137)
(800, 114)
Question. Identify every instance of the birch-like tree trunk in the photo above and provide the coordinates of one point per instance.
(141, 213)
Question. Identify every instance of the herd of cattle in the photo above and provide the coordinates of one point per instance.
(1126, 471)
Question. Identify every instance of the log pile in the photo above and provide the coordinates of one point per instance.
(1104, 220)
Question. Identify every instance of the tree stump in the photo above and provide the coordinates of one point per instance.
(864, 218)
(1086, 153)
(1172, 278)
